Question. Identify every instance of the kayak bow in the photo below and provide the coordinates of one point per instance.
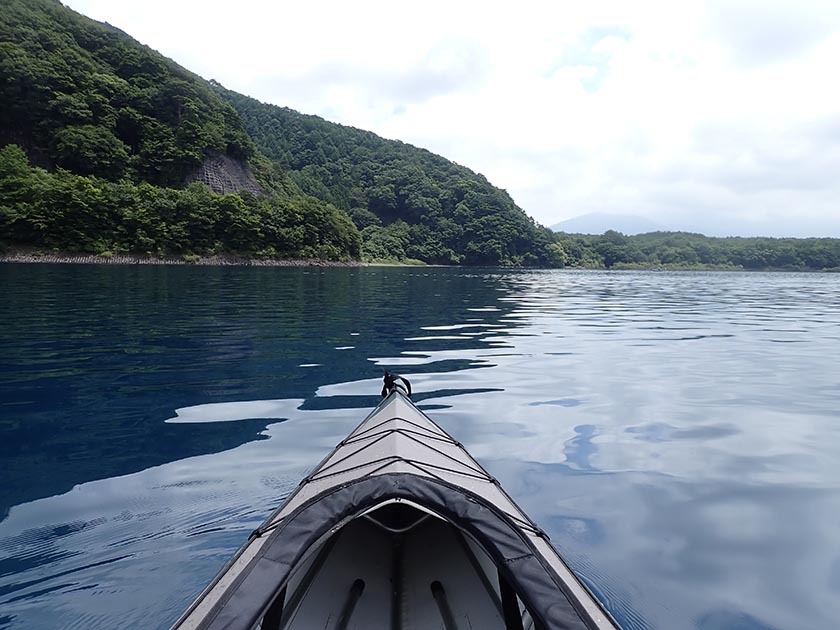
(398, 527)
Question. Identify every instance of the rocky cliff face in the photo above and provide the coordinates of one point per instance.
(225, 175)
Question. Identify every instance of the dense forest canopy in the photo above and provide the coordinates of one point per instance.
(86, 97)
(112, 131)
(68, 212)
(101, 136)
(408, 202)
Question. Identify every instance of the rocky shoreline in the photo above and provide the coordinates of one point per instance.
(135, 259)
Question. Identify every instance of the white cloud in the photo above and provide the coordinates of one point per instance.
(717, 112)
(767, 31)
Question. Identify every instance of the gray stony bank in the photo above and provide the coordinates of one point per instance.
(130, 259)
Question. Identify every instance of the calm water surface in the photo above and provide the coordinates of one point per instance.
(678, 435)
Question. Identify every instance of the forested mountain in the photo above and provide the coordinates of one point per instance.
(408, 202)
(86, 97)
(113, 131)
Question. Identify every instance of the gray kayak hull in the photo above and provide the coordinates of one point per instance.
(398, 527)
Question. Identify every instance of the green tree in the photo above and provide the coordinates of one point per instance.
(90, 150)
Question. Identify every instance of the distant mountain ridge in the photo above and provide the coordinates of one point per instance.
(600, 222)
(776, 227)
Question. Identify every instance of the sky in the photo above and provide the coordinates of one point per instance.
(718, 116)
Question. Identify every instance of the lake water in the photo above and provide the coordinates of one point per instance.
(677, 434)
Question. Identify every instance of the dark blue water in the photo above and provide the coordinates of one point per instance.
(678, 435)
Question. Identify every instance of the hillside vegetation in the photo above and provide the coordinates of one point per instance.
(111, 131)
(678, 250)
(407, 201)
(86, 97)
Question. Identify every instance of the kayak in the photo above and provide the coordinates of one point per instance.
(398, 527)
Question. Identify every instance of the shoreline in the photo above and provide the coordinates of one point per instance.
(137, 259)
(229, 260)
